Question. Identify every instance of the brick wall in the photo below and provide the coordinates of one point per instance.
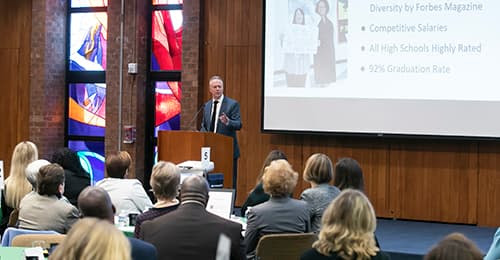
(191, 72)
(133, 108)
(47, 74)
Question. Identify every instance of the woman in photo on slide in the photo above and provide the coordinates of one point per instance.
(297, 64)
(324, 60)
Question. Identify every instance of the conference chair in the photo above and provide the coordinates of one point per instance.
(11, 233)
(284, 246)
(44, 240)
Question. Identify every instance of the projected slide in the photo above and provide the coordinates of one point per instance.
(382, 67)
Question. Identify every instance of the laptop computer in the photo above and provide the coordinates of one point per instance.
(221, 202)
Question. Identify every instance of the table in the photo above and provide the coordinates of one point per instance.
(127, 231)
(11, 253)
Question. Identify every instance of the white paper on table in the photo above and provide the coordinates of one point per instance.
(223, 248)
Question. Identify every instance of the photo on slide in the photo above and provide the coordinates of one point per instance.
(309, 43)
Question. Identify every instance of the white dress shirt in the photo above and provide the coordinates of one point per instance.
(127, 195)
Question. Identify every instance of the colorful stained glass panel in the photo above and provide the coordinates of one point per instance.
(87, 109)
(167, 105)
(167, 2)
(167, 40)
(91, 154)
(89, 3)
(88, 41)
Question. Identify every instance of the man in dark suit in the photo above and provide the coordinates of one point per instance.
(191, 232)
(95, 202)
(224, 119)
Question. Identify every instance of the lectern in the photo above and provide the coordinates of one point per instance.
(180, 146)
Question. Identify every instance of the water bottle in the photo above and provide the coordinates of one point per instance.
(123, 219)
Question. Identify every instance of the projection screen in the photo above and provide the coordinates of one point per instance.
(382, 67)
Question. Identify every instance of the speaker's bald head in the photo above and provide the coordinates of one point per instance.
(195, 188)
(95, 202)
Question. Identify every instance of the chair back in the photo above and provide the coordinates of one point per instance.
(284, 246)
(11, 233)
(43, 240)
(14, 216)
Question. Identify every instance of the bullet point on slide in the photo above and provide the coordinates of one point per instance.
(362, 68)
(362, 48)
(362, 28)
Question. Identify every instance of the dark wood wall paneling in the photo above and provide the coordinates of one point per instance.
(434, 180)
(15, 30)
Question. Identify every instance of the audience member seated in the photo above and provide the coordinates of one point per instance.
(95, 202)
(165, 181)
(127, 195)
(16, 185)
(45, 210)
(76, 178)
(494, 252)
(455, 246)
(32, 172)
(318, 172)
(281, 213)
(257, 195)
(91, 238)
(347, 230)
(348, 175)
(191, 232)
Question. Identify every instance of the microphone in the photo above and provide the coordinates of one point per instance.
(196, 115)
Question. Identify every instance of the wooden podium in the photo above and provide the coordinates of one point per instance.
(180, 146)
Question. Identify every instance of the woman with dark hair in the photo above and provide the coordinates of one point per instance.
(76, 178)
(348, 175)
(258, 196)
(45, 210)
(324, 60)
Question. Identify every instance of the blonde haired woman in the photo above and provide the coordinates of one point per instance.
(17, 185)
(91, 238)
(280, 214)
(347, 231)
(165, 181)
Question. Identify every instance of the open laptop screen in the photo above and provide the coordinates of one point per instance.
(221, 202)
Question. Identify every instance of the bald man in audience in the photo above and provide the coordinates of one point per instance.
(191, 232)
(95, 202)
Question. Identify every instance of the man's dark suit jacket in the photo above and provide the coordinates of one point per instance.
(142, 250)
(231, 108)
(190, 232)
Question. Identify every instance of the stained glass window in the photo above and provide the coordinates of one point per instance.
(167, 40)
(86, 77)
(87, 109)
(88, 41)
(166, 2)
(91, 154)
(167, 106)
(88, 3)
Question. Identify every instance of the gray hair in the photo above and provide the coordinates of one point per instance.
(32, 169)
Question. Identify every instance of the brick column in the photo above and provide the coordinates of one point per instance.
(47, 74)
(191, 64)
(134, 86)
